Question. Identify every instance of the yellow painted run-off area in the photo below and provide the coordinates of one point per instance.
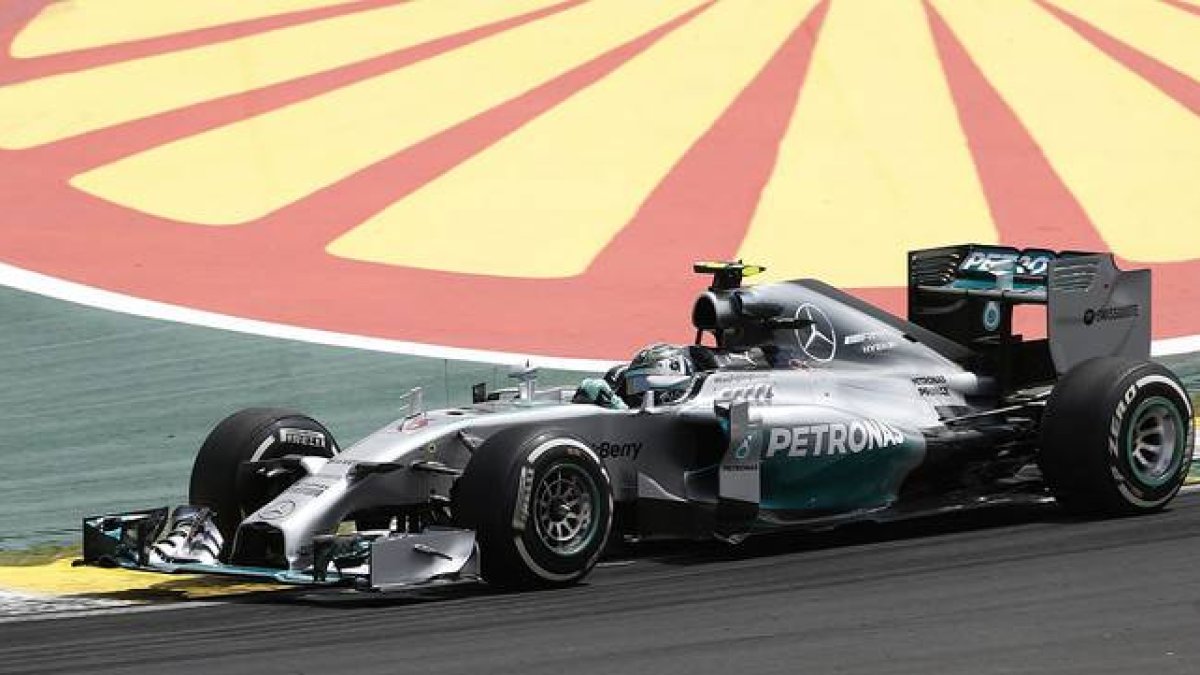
(867, 182)
(245, 170)
(570, 179)
(62, 106)
(1125, 149)
(70, 25)
(875, 159)
(60, 578)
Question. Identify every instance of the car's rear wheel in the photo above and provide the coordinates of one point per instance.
(222, 482)
(1116, 437)
(541, 506)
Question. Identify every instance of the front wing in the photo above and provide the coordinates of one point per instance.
(151, 541)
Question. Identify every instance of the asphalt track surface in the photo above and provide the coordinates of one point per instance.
(1009, 591)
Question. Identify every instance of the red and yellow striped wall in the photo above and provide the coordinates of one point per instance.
(537, 175)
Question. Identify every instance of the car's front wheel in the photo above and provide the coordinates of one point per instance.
(222, 481)
(541, 506)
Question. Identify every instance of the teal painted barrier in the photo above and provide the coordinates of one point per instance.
(102, 412)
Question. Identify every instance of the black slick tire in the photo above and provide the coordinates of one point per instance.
(221, 482)
(517, 493)
(1116, 437)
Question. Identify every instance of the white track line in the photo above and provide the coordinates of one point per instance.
(41, 284)
(1178, 345)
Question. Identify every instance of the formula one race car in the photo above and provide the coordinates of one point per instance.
(806, 408)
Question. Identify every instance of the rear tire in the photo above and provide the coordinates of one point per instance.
(541, 507)
(220, 482)
(1116, 437)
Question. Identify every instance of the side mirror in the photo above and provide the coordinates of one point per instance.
(526, 377)
(759, 310)
(787, 322)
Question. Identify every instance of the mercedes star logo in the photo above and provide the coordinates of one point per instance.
(278, 510)
(818, 339)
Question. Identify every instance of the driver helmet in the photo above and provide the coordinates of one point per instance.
(666, 369)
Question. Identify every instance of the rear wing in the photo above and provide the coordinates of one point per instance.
(967, 293)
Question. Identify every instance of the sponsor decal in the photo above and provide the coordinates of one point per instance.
(878, 347)
(414, 423)
(859, 338)
(308, 488)
(818, 340)
(746, 359)
(931, 385)
(608, 450)
(872, 342)
(524, 496)
(1027, 263)
(992, 316)
(761, 391)
(743, 457)
(742, 451)
(735, 468)
(1114, 313)
(277, 510)
(1114, 427)
(312, 439)
(835, 438)
(728, 378)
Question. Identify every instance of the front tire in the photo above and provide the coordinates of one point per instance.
(1116, 437)
(221, 482)
(541, 507)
